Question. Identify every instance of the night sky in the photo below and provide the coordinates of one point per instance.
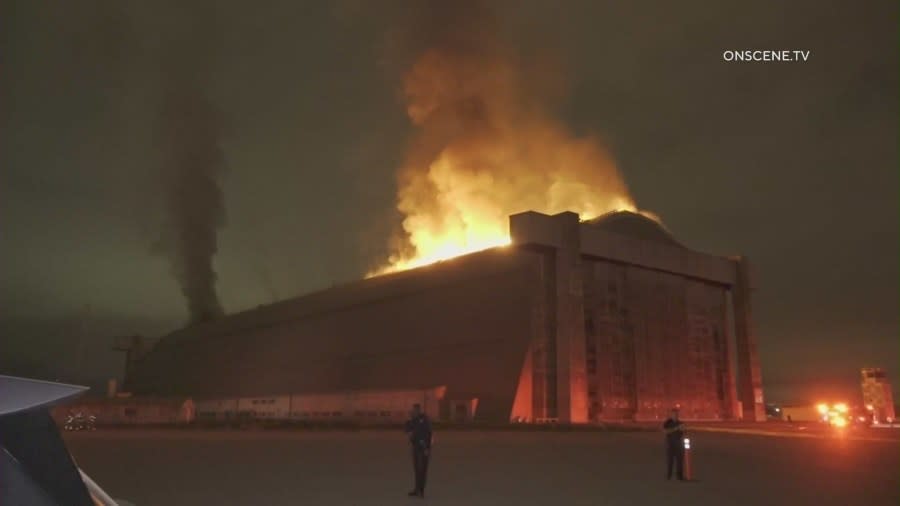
(792, 164)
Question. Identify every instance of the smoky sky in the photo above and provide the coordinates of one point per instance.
(791, 164)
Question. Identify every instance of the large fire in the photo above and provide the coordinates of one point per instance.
(484, 149)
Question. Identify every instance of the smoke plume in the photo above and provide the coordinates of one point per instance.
(189, 130)
(485, 144)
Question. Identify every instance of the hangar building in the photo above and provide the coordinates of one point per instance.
(575, 322)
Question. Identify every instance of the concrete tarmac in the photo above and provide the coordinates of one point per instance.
(221, 467)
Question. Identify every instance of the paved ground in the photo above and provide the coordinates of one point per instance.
(802, 430)
(483, 468)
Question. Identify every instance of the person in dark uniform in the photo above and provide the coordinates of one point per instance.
(674, 430)
(418, 428)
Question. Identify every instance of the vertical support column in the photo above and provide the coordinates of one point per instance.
(750, 378)
(732, 409)
(572, 399)
(544, 343)
(559, 361)
(535, 230)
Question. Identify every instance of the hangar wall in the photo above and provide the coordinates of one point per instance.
(465, 323)
(609, 319)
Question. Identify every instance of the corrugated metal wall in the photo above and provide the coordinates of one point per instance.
(654, 340)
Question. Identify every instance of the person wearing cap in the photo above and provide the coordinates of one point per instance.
(418, 428)
(674, 430)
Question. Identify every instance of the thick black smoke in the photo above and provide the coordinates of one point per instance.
(189, 133)
(194, 203)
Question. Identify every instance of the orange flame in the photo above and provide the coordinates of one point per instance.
(484, 149)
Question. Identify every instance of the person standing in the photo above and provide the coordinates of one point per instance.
(674, 430)
(418, 428)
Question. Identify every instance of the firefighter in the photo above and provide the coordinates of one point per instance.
(674, 430)
(418, 428)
